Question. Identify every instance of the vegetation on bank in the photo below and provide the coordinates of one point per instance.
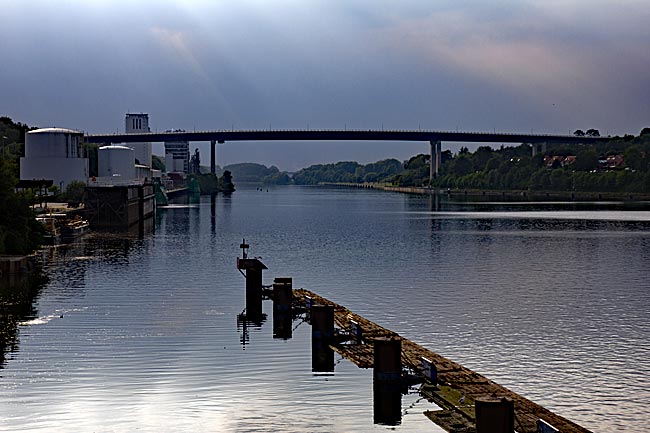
(249, 172)
(20, 233)
(560, 168)
(619, 165)
(12, 138)
(347, 171)
(211, 184)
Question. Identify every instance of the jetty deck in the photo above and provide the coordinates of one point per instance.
(458, 387)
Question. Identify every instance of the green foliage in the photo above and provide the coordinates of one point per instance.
(514, 168)
(225, 182)
(211, 184)
(92, 150)
(157, 163)
(586, 159)
(74, 192)
(12, 140)
(20, 233)
(249, 172)
(592, 133)
(348, 171)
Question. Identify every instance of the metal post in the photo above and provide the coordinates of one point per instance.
(387, 359)
(322, 331)
(253, 293)
(495, 416)
(282, 299)
(387, 372)
(282, 294)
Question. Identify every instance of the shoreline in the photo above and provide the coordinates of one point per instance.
(505, 194)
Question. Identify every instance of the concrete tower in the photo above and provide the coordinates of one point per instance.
(139, 123)
(177, 154)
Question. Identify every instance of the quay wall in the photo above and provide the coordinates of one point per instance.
(534, 195)
(119, 206)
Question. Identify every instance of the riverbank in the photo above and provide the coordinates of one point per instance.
(507, 194)
(16, 264)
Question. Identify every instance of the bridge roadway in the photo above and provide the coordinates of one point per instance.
(433, 137)
(222, 136)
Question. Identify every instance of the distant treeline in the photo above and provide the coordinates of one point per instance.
(381, 171)
(249, 172)
(619, 165)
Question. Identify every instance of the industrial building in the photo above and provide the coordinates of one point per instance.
(177, 155)
(55, 154)
(115, 164)
(139, 123)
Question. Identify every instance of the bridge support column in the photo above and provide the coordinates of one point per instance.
(213, 156)
(539, 147)
(435, 159)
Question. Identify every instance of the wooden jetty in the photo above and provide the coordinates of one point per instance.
(457, 388)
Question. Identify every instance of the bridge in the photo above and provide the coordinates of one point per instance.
(435, 138)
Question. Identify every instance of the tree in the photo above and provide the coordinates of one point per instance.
(579, 133)
(225, 182)
(20, 233)
(481, 157)
(74, 192)
(586, 160)
(157, 163)
(593, 133)
(634, 158)
(463, 165)
(644, 131)
(92, 152)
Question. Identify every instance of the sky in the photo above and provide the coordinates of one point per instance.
(550, 66)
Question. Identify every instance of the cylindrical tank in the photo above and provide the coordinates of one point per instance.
(116, 161)
(53, 143)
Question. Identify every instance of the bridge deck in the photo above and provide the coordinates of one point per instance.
(339, 135)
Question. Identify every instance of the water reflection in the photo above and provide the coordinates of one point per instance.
(386, 403)
(244, 322)
(18, 293)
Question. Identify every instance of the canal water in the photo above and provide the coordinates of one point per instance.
(141, 332)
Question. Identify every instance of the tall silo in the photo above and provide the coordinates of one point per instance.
(55, 154)
(116, 163)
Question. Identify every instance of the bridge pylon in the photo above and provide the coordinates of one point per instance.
(435, 159)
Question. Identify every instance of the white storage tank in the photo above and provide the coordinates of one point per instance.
(55, 154)
(116, 162)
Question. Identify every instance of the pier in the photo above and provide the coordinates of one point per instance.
(469, 401)
(457, 389)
